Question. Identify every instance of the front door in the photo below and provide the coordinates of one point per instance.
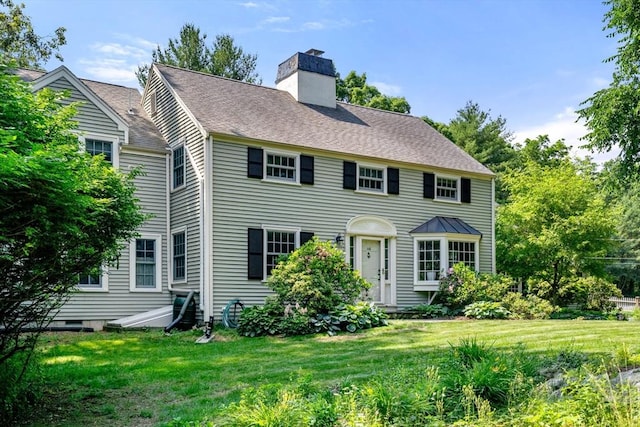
(371, 257)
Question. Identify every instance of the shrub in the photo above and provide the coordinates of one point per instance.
(590, 293)
(432, 311)
(316, 276)
(463, 286)
(529, 307)
(350, 318)
(486, 310)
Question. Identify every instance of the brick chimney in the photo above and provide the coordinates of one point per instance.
(309, 78)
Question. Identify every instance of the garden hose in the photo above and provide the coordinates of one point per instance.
(230, 313)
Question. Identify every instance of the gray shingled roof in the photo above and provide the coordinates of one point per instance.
(441, 224)
(235, 108)
(142, 131)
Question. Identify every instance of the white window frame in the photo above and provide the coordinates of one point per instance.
(115, 145)
(458, 188)
(182, 145)
(172, 254)
(290, 154)
(385, 180)
(274, 228)
(104, 283)
(158, 266)
(444, 240)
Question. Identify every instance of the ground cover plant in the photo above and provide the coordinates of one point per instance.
(409, 373)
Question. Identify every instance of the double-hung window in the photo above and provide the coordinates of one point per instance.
(178, 167)
(447, 188)
(267, 244)
(179, 256)
(368, 178)
(434, 255)
(372, 179)
(146, 263)
(281, 166)
(279, 243)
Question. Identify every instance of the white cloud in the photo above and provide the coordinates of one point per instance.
(110, 70)
(388, 89)
(565, 125)
(257, 5)
(117, 49)
(313, 26)
(276, 20)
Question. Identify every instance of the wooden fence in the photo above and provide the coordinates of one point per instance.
(626, 304)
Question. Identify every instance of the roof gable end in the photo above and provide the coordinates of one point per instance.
(62, 71)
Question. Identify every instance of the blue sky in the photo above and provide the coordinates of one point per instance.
(531, 61)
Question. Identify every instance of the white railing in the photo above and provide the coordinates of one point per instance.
(626, 304)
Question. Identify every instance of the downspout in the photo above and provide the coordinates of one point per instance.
(207, 201)
(168, 208)
(183, 310)
(202, 300)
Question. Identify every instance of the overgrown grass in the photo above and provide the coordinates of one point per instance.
(147, 378)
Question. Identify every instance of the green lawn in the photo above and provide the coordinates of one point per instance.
(148, 378)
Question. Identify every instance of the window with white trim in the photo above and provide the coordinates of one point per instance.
(435, 254)
(462, 251)
(371, 179)
(179, 256)
(96, 147)
(178, 168)
(145, 264)
(447, 188)
(97, 280)
(278, 243)
(428, 260)
(281, 166)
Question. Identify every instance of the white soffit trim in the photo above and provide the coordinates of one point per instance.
(63, 71)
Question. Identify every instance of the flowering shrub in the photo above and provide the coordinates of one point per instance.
(316, 277)
(463, 286)
(315, 292)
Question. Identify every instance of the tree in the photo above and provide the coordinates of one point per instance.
(19, 41)
(190, 51)
(486, 139)
(611, 114)
(555, 226)
(62, 212)
(541, 151)
(355, 90)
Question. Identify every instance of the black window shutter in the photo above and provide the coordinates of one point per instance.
(349, 175)
(429, 185)
(255, 258)
(306, 169)
(254, 162)
(466, 190)
(393, 177)
(305, 237)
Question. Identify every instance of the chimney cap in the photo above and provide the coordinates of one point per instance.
(314, 52)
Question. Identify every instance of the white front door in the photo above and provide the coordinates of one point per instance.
(371, 260)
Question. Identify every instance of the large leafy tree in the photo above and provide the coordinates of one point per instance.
(62, 211)
(354, 89)
(190, 51)
(554, 227)
(19, 41)
(612, 114)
